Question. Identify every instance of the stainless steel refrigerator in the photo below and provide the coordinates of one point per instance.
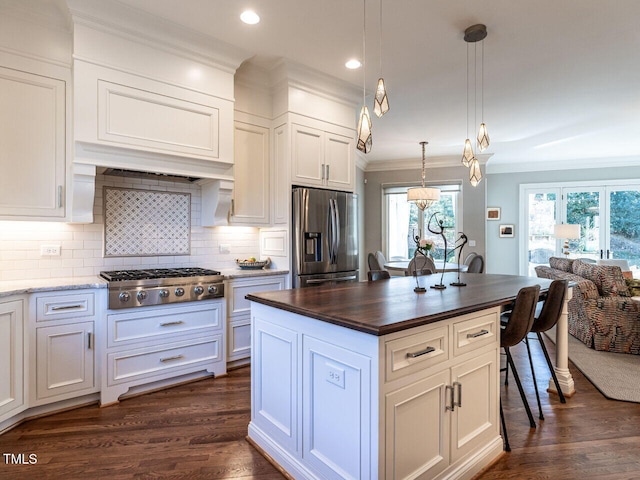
(325, 238)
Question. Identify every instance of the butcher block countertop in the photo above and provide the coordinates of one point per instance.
(388, 306)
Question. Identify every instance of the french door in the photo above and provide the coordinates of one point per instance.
(608, 215)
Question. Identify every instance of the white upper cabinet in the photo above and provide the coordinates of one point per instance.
(322, 158)
(33, 139)
(251, 173)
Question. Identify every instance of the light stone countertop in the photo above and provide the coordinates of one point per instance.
(19, 287)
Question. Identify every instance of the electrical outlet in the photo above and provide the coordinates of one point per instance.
(224, 248)
(49, 250)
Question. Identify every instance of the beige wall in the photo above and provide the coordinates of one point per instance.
(473, 204)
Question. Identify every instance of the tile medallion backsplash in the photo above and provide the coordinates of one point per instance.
(146, 223)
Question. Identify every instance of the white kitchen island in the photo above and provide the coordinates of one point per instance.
(373, 381)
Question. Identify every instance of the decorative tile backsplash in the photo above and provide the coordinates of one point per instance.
(142, 223)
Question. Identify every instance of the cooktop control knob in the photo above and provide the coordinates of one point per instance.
(124, 296)
(141, 295)
(213, 289)
(198, 290)
(163, 293)
(179, 292)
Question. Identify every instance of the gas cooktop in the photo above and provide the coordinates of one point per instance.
(156, 273)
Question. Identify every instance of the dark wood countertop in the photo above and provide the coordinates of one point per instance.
(388, 306)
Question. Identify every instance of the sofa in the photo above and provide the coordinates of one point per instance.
(602, 312)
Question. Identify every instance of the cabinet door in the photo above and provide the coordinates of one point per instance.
(280, 176)
(11, 357)
(307, 154)
(417, 435)
(339, 169)
(32, 135)
(237, 291)
(474, 422)
(65, 359)
(239, 339)
(251, 175)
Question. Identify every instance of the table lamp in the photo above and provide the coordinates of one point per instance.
(566, 231)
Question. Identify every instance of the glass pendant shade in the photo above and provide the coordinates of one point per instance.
(467, 153)
(364, 131)
(475, 174)
(381, 101)
(423, 197)
(483, 137)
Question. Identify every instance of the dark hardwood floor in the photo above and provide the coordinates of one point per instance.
(198, 431)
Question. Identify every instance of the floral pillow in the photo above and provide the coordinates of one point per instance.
(607, 278)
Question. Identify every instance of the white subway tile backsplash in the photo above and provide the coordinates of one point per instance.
(82, 245)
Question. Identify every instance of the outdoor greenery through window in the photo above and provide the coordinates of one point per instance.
(404, 221)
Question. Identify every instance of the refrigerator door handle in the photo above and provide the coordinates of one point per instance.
(336, 217)
(330, 232)
(315, 281)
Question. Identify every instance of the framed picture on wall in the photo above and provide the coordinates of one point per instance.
(493, 213)
(507, 231)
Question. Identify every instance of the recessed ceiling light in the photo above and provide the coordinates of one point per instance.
(249, 17)
(353, 64)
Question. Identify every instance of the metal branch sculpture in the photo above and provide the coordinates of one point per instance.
(439, 231)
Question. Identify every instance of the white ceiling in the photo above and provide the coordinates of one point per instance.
(561, 81)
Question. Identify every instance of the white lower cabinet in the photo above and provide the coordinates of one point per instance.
(11, 357)
(65, 363)
(156, 344)
(239, 313)
(331, 402)
(63, 343)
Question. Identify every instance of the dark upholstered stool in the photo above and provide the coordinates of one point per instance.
(374, 275)
(548, 318)
(521, 319)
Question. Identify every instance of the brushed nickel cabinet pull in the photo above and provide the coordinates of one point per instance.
(89, 341)
(169, 324)
(67, 307)
(168, 359)
(233, 208)
(451, 405)
(59, 200)
(421, 352)
(327, 173)
(459, 385)
(477, 334)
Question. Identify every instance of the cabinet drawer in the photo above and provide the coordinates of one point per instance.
(57, 307)
(134, 364)
(238, 304)
(239, 344)
(476, 332)
(415, 352)
(149, 324)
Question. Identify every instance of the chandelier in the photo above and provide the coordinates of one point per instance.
(423, 197)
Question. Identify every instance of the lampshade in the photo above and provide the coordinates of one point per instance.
(566, 231)
(423, 196)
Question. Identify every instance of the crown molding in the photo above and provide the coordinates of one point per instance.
(570, 164)
(443, 161)
(116, 18)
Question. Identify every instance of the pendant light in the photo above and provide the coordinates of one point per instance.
(483, 134)
(423, 196)
(365, 140)
(381, 101)
(474, 34)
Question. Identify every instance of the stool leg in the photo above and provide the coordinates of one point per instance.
(532, 422)
(507, 447)
(506, 375)
(551, 369)
(533, 376)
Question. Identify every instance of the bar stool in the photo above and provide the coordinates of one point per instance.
(375, 275)
(548, 318)
(513, 332)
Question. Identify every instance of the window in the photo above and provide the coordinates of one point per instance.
(404, 221)
(608, 215)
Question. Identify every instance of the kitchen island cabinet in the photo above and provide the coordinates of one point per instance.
(371, 380)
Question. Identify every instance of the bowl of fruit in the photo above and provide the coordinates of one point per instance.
(252, 264)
